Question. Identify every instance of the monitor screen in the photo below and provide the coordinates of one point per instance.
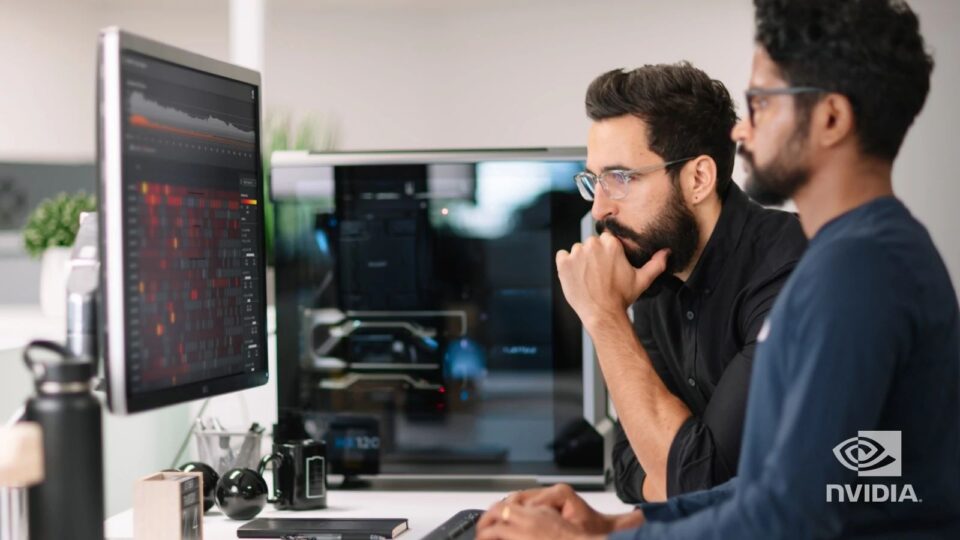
(182, 218)
(418, 306)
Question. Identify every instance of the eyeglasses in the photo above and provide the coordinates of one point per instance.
(614, 182)
(756, 101)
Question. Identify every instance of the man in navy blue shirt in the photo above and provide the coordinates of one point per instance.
(853, 418)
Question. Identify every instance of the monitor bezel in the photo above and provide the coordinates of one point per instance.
(113, 42)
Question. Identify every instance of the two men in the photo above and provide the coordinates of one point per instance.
(659, 166)
(863, 342)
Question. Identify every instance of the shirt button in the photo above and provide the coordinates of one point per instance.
(689, 315)
(691, 382)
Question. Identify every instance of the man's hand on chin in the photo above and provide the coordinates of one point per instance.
(599, 282)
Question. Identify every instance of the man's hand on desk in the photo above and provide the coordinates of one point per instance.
(554, 512)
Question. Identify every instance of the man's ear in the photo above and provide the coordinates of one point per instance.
(700, 179)
(833, 119)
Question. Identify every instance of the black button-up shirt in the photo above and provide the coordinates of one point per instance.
(700, 336)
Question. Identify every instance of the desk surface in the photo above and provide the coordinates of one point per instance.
(425, 510)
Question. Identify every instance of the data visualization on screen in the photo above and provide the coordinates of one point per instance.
(197, 119)
(192, 288)
(192, 232)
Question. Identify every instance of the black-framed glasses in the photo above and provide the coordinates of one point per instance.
(756, 97)
(615, 181)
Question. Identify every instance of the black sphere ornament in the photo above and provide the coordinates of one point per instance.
(241, 493)
(210, 479)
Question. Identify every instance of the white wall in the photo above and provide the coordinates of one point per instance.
(424, 73)
(47, 81)
(48, 51)
(478, 75)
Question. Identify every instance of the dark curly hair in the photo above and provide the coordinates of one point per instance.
(687, 113)
(871, 51)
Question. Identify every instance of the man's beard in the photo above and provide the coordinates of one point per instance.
(675, 228)
(777, 182)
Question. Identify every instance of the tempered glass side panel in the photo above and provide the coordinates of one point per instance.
(423, 300)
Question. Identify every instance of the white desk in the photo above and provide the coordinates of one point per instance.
(425, 510)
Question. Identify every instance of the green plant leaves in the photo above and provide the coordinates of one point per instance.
(55, 222)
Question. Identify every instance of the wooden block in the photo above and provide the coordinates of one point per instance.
(168, 506)
(21, 455)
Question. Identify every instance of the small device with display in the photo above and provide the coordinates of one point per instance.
(353, 446)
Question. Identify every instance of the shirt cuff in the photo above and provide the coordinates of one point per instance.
(658, 511)
(627, 534)
(675, 468)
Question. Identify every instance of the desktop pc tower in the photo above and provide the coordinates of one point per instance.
(422, 331)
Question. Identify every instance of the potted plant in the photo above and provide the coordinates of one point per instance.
(48, 235)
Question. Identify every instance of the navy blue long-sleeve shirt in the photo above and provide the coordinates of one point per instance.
(865, 336)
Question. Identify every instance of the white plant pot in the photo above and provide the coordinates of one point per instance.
(54, 267)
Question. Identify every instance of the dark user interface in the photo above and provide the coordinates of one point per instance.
(192, 225)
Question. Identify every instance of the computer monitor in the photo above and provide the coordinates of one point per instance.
(420, 320)
(181, 224)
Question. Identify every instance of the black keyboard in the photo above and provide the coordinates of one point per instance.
(462, 526)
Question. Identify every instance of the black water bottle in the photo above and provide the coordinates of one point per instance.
(69, 501)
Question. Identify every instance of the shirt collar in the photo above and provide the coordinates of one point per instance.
(723, 241)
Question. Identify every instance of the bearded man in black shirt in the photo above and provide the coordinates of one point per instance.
(659, 166)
